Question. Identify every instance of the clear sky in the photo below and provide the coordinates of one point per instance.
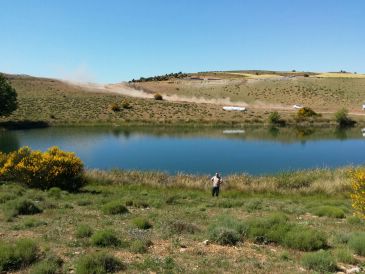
(115, 40)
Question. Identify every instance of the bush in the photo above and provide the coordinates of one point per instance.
(126, 104)
(306, 112)
(115, 107)
(105, 238)
(344, 255)
(358, 192)
(357, 243)
(8, 97)
(139, 246)
(53, 168)
(142, 223)
(304, 238)
(158, 96)
(342, 118)
(275, 118)
(321, 261)
(84, 231)
(181, 227)
(329, 211)
(18, 255)
(224, 236)
(114, 208)
(55, 192)
(21, 207)
(50, 265)
(99, 263)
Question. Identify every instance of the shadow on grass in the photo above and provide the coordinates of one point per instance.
(25, 124)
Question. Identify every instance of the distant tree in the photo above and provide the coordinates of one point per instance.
(8, 97)
(343, 119)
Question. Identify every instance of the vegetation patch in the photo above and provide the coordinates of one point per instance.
(182, 227)
(344, 255)
(114, 208)
(357, 243)
(84, 231)
(320, 261)
(142, 223)
(21, 206)
(105, 238)
(50, 265)
(227, 231)
(99, 263)
(14, 256)
(329, 211)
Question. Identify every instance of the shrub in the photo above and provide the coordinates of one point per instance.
(20, 254)
(342, 118)
(306, 112)
(30, 223)
(304, 238)
(99, 263)
(321, 261)
(344, 255)
(139, 246)
(84, 231)
(158, 96)
(142, 223)
(104, 238)
(115, 107)
(275, 118)
(357, 243)
(329, 211)
(354, 220)
(53, 168)
(358, 192)
(114, 208)
(50, 265)
(21, 207)
(180, 227)
(55, 192)
(224, 236)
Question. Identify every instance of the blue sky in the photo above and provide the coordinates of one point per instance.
(115, 40)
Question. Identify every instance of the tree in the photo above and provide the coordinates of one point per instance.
(342, 118)
(8, 97)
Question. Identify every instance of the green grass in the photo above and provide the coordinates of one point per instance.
(320, 261)
(99, 263)
(357, 243)
(254, 218)
(329, 211)
(50, 265)
(21, 206)
(114, 208)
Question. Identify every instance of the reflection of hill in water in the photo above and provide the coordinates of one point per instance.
(11, 140)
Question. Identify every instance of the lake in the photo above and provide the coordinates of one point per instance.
(198, 151)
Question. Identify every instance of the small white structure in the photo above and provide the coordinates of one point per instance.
(363, 132)
(233, 131)
(363, 106)
(235, 108)
(297, 106)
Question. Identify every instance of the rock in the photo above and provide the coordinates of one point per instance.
(355, 269)
(206, 242)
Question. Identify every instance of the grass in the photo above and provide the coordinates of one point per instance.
(259, 224)
(50, 265)
(99, 263)
(21, 206)
(329, 211)
(114, 208)
(322, 261)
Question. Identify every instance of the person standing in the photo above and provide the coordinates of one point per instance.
(217, 181)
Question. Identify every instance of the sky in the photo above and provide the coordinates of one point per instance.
(117, 40)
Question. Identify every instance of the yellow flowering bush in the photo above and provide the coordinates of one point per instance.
(53, 168)
(358, 194)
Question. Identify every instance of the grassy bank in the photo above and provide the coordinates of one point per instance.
(142, 222)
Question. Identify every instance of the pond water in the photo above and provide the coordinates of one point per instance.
(198, 151)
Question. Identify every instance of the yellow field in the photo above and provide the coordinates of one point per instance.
(340, 75)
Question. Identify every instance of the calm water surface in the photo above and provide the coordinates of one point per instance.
(203, 151)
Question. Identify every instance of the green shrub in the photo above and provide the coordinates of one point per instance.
(139, 246)
(105, 238)
(84, 202)
(142, 223)
(55, 192)
(306, 112)
(99, 263)
(342, 118)
(21, 207)
(354, 220)
(304, 238)
(114, 208)
(275, 119)
(126, 104)
(31, 222)
(50, 265)
(329, 211)
(84, 231)
(53, 168)
(14, 256)
(8, 97)
(224, 236)
(321, 261)
(357, 243)
(344, 255)
(158, 96)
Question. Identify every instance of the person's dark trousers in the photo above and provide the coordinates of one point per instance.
(215, 191)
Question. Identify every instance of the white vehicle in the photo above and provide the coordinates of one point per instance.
(235, 108)
(297, 106)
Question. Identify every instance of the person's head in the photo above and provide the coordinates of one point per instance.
(217, 174)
